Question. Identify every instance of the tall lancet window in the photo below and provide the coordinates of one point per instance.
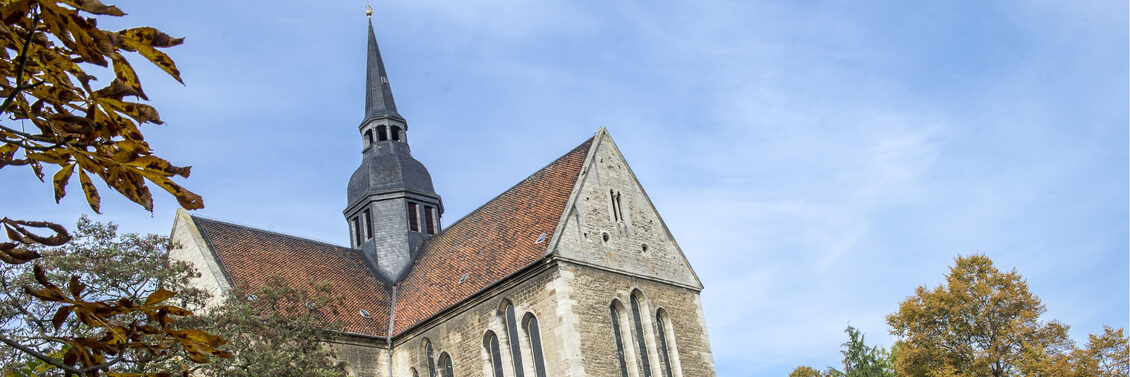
(662, 327)
(619, 340)
(530, 323)
(490, 342)
(430, 358)
(639, 336)
(445, 367)
(515, 345)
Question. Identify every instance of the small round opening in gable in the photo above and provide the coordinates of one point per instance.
(644, 247)
(604, 237)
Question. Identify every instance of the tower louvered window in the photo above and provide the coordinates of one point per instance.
(429, 219)
(356, 224)
(619, 340)
(639, 337)
(413, 217)
(368, 220)
(490, 342)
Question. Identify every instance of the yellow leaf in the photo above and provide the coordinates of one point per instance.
(95, 7)
(92, 197)
(187, 199)
(61, 179)
(158, 296)
(144, 39)
(126, 74)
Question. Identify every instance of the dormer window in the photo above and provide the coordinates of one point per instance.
(413, 217)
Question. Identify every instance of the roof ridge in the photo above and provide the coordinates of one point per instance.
(270, 231)
(480, 207)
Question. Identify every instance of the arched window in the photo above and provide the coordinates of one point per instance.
(490, 343)
(639, 335)
(429, 357)
(414, 374)
(530, 323)
(395, 134)
(662, 327)
(445, 368)
(382, 133)
(368, 137)
(619, 340)
(515, 345)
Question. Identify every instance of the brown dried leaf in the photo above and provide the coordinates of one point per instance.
(61, 316)
(95, 7)
(60, 181)
(92, 197)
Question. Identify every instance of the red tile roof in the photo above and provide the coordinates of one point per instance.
(490, 243)
(250, 256)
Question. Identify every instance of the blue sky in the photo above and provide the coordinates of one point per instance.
(816, 160)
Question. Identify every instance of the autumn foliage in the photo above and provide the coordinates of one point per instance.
(55, 115)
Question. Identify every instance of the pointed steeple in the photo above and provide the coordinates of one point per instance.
(378, 94)
(392, 206)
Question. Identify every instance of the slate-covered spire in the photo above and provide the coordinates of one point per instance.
(392, 205)
(378, 94)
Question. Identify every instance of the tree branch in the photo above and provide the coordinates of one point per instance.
(40, 356)
(23, 64)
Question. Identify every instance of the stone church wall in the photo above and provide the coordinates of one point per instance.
(690, 346)
(363, 357)
(461, 334)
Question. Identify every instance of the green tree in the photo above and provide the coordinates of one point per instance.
(282, 331)
(275, 330)
(860, 360)
(985, 322)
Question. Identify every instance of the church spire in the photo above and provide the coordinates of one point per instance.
(378, 94)
(392, 206)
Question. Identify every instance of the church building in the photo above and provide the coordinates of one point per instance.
(570, 272)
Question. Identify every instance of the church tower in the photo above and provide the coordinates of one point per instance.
(393, 207)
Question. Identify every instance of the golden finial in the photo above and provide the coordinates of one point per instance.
(368, 10)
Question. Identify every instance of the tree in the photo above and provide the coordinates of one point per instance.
(45, 47)
(281, 331)
(982, 322)
(112, 266)
(860, 360)
(275, 330)
(1106, 355)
